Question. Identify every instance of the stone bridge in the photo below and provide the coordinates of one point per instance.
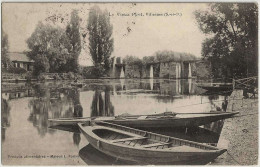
(170, 69)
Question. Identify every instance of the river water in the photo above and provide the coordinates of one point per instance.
(27, 138)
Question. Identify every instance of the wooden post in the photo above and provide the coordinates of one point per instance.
(233, 83)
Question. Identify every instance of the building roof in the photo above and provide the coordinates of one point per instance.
(17, 56)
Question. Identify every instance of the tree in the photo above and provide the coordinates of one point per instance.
(49, 48)
(4, 49)
(166, 55)
(233, 43)
(41, 64)
(72, 31)
(100, 38)
(132, 60)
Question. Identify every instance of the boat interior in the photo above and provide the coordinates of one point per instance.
(142, 139)
(140, 117)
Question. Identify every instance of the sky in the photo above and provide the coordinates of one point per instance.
(137, 35)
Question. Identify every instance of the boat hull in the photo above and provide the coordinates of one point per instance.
(216, 88)
(180, 121)
(152, 157)
(77, 85)
(69, 121)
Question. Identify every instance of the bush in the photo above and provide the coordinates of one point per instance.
(56, 77)
(15, 70)
(98, 71)
(61, 76)
(42, 77)
(89, 72)
(71, 75)
(79, 76)
(28, 77)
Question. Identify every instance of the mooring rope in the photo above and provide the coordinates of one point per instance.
(233, 158)
(245, 115)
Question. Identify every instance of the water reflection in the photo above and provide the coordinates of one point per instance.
(108, 98)
(92, 156)
(53, 103)
(101, 104)
(5, 117)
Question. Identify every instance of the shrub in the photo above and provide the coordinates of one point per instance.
(42, 77)
(88, 72)
(71, 75)
(15, 70)
(56, 77)
(79, 76)
(97, 71)
(61, 76)
(28, 77)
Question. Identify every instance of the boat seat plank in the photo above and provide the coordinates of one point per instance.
(117, 130)
(184, 148)
(154, 144)
(142, 117)
(128, 139)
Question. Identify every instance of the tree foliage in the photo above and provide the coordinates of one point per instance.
(4, 49)
(49, 48)
(232, 47)
(133, 60)
(100, 37)
(73, 34)
(164, 56)
(41, 64)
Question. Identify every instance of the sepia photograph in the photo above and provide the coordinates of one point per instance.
(95, 83)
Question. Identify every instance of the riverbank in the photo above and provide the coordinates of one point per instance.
(240, 134)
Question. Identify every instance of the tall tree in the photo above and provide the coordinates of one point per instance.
(72, 31)
(101, 43)
(49, 48)
(233, 46)
(4, 49)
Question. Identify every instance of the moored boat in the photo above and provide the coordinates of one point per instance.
(144, 147)
(76, 84)
(167, 119)
(216, 87)
(179, 120)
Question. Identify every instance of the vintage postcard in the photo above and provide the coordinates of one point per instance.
(129, 84)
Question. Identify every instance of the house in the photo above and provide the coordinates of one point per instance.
(20, 60)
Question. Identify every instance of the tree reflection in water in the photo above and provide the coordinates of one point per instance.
(101, 105)
(5, 117)
(74, 95)
(53, 103)
(92, 156)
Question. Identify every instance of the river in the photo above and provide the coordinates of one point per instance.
(26, 108)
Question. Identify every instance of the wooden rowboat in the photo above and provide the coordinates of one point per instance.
(216, 87)
(146, 148)
(180, 120)
(156, 120)
(80, 85)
